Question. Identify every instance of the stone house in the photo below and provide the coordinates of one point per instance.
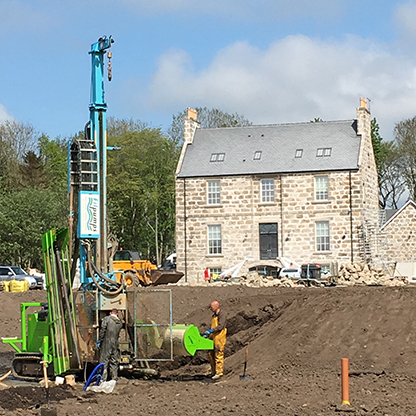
(397, 236)
(306, 191)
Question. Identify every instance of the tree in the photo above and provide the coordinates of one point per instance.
(16, 139)
(209, 118)
(32, 172)
(390, 181)
(141, 191)
(116, 127)
(54, 155)
(405, 141)
(25, 216)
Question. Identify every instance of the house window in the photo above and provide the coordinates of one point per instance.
(298, 153)
(321, 188)
(213, 192)
(322, 235)
(217, 157)
(257, 155)
(214, 272)
(267, 190)
(214, 239)
(323, 152)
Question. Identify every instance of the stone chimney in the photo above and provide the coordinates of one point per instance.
(363, 119)
(190, 125)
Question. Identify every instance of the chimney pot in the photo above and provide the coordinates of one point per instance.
(363, 102)
(192, 113)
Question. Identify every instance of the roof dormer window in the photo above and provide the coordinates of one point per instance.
(323, 152)
(217, 157)
(257, 155)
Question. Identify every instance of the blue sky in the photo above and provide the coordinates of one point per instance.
(273, 61)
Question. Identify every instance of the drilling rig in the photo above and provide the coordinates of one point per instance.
(63, 332)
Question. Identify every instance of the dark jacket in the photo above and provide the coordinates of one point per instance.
(109, 332)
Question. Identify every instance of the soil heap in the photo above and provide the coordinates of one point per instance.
(296, 336)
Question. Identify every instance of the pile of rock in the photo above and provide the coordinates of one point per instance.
(257, 280)
(252, 279)
(364, 274)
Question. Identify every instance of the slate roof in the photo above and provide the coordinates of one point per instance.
(278, 144)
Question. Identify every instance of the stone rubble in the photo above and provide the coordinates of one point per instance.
(364, 274)
(351, 274)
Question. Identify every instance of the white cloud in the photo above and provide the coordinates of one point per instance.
(295, 79)
(4, 115)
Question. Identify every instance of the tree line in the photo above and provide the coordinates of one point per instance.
(141, 182)
(140, 185)
(396, 163)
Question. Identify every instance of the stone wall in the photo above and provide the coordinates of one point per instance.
(241, 211)
(397, 240)
(351, 210)
(369, 187)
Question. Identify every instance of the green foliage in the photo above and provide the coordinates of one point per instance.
(16, 139)
(405, 142)
(141, 189)
(209, 118)
(391, 183)
(116, 127)
(380, 148)
(53, 154)
(32, 174)
(25, 215)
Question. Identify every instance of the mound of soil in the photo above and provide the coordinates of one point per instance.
(296, 338)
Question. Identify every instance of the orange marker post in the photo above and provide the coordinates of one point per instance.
(344, 381)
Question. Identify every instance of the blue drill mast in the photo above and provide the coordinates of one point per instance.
(88, 186)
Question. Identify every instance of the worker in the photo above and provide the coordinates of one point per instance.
(218, 333)
(108, 344)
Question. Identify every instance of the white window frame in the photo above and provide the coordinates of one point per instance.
(213, 192)
(267, 190)
(213, 270)
(214, 239)
(322, 236)
(321, 188)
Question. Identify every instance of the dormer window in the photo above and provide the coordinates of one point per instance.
(217, 157)
(257, 155)
(298, 153)
(323, 152)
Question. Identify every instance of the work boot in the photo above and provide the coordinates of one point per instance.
(216, 377)
(114, 375)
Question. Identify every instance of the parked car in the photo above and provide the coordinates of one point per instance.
(290, 272)
(9, 273)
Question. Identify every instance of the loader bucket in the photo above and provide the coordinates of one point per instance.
(163, 277)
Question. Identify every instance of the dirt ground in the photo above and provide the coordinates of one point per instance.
(296, 338)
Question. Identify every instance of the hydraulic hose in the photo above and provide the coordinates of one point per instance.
(93, 269)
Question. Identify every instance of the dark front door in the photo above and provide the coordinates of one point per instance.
(268, 241)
